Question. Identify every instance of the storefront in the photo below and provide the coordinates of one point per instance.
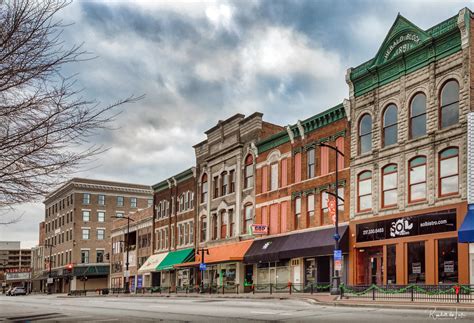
(411, 248)
(300, 258)
(166, 267)
(466, 236)
(147, 271)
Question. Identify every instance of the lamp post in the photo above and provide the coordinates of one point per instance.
(336, 280)
(127, 277)
(50, 246)
(201, 251)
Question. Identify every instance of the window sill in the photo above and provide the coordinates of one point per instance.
(389, 207)
(417, 202)
(448, 196)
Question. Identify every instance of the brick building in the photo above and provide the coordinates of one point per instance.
(174, 229)
(138, 237)
(15, 265)
(225, 167)
(408, 112)
(293, 177)
(78, 223)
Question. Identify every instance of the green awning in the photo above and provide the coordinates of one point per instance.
(175, 258)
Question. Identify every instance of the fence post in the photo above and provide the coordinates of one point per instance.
(223, 289)
(342, 290)
(312, 289)
(238, 285)
(253, 289)
(412, 291)
(210, 289)
(373, 293)
(289, 285)
(271, 288)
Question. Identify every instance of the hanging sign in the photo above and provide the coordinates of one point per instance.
(202, 267)
(338, 265)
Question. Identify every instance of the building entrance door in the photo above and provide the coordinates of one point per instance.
(370, 267)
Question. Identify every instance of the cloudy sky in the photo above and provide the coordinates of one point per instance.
(198, 62)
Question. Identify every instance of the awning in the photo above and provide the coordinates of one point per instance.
(152, 262)
(466, 231)
(314, 243)
(265, 250)
(176, 257)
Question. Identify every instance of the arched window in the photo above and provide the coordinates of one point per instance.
(389, 185)
(297, 212)
(418, 116)
(223, 224)
(203, 228)
(214, 226)
(204, 187)
(365, 134)
(390, 125)
(224, 183)
(248, 171)
(248, 218)
(449, 104)
(417, 179)
(449, 171)
(364, 191)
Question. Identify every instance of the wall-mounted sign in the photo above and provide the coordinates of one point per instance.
(18, 270)
(259, 229)
(444, 221)
(18, 276)
(401, 44)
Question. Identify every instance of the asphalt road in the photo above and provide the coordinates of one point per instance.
(48, 308)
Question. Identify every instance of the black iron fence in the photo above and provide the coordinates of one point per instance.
(291, 288)
(433, 293)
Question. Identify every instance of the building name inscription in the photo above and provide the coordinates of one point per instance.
(407, 226)
(409, 40)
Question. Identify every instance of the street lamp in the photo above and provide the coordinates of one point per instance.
(127, 277)
(50, 246)
(336, 280)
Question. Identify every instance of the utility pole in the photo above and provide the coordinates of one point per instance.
(336, 280)
(127, 277)
(201, 267)
(50, 246)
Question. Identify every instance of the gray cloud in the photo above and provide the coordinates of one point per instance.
(201, 62)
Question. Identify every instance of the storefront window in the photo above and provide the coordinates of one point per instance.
(310, 270)
(448, 261)
(416, 262)
(391, 264)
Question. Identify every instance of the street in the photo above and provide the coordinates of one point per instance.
(186, 309)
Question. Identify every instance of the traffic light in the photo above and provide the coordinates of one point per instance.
(69, 268)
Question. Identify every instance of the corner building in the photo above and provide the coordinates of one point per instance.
(293, 178)
(408, 113)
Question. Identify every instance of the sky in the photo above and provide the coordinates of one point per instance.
(198, 62)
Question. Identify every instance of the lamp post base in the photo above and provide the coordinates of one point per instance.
(336, 282)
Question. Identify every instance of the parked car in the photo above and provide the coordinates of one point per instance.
(18, 291)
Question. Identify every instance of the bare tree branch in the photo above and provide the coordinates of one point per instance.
(45, 123)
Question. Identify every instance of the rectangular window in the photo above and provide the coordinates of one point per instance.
(191, 232)
(149, 202)
(186, 233)
(133, 202)
(84, 256)
(225, 183)
(119, 200)
(264, 179)
(324, 160)
(100, 216)
(101, 199)
(86, 198)
(216, 186)
(324, 208)
(274, 177)
(232, 181)
(231, 223)
(448, 261)
(119, 214)
(310, 160)
(86, 216)
(416, 262)
(203, 229)
(297, 167)
(297, 212)
(85, 234)
(99, 256)
(310, 205)
(284, 172)
(100, 234)
(391, 264)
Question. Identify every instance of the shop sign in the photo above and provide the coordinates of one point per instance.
(449, 266)
(50, 280)
(259, 229)
(338, 265)
(437, 222)
(18, 276)
(416, 267)
(18, 270)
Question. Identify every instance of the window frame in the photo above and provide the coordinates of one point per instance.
(249, 165)
(311, 166)
(297, 212)
(204, 188)
(411, 117)
(247, 220)
(386, 206)
(410, 183)
(440, 106)
(274, 171)
(359, 210)
(385, 127)
(360, 135)
(439, 171)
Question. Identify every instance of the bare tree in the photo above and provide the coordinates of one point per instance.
(45, 123)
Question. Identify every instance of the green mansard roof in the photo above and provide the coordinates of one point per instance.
(407, 48)
(309, 125)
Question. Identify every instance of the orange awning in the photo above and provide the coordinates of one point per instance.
(223, 253)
